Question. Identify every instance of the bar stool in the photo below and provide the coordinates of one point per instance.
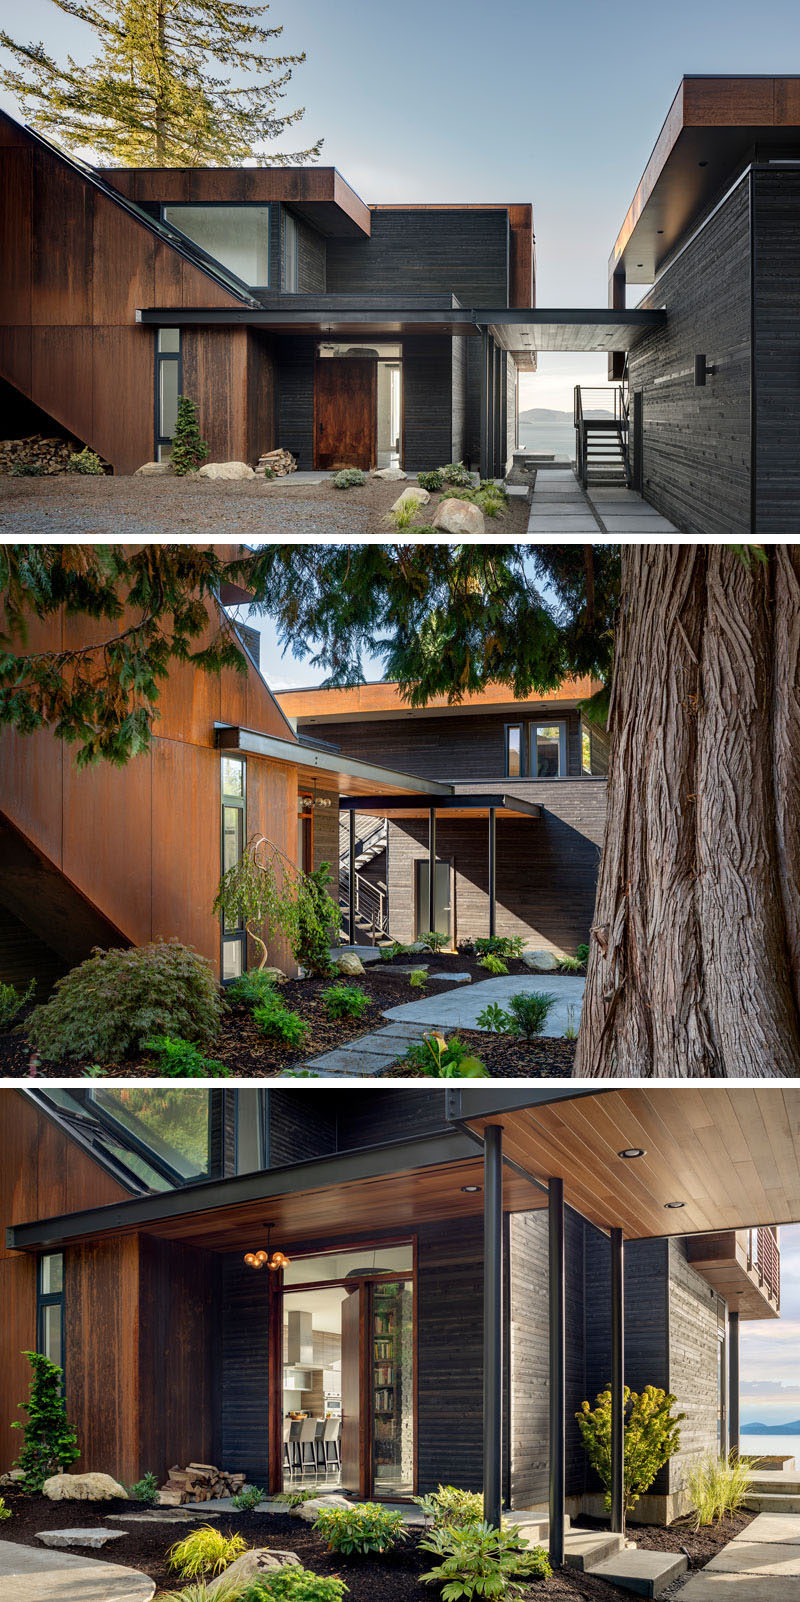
(287, 1456)
(307, 1436)
(331, 1438)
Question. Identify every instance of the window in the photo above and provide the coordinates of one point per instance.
(168, 388)
(305, 834)
(172, 1127)
(291, 255)
(513, 750)
(50, 1307)
(234, 939)
(235, 236)
(586, 750)
(548, 750)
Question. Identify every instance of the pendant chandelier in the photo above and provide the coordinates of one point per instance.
(269, 1258)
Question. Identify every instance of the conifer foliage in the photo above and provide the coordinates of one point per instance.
(189, 449)
(174, 83)
(50, 1441)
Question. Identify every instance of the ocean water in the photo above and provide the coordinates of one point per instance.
(770, 1446)
(550, 438)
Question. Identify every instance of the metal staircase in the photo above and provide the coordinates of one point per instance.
(372, 904)
(601, 436)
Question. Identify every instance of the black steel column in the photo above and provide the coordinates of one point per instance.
(492, 871)
(485, 402)
(617, 1383)
(555, 1212)
(352, 877)
(492, 1323)
(431, 872)
(733, 1382)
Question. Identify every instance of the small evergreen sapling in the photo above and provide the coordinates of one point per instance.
(50, 1441)
(189, 449)
(652, 1437)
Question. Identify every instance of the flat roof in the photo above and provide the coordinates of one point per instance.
(320, 194)
(712, 129)
(523, 331)
(315, 763)
(466, 804)
(357, 703)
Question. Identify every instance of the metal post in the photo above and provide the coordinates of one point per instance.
(555, 1211)
(733, 1382)
(485, 402)
(492, 1323)
(431, 872)
(352, 877)
(617, 1383)
(492, 871)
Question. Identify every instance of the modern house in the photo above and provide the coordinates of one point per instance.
(464, 1268)
(516, 846)
(293, 314)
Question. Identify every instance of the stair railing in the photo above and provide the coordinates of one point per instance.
(621, 416)
(371, 905)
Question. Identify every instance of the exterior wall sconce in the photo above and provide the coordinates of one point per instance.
(267, 1259)
(703, 369)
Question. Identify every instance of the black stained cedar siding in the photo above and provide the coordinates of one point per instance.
(696, 440)
(244, 1368)
(301, 1126)
(310, 259)
(458, 747)
(427, 380)
(450, 1355)
(464, 253)
(776, 206)
(387, 1115)
(294, 377)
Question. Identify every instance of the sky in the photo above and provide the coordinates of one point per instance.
(770, 1349)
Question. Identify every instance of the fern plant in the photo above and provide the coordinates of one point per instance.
(481, 1561)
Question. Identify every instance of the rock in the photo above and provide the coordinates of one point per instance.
(308, 1510)
(232, 470)
(459, 517)
(154, 470)
(12, 1477)
(83, 1488)
(419, 945)
(257, 1561)
(348, 963)
(277, 975)
(392, 475)
(541, 961)
(414, 494)
(95, 1539)
(450, 978)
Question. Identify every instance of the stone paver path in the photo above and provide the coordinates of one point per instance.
(28, 1574)
(761, 1564)
(560, 506)
(358, 1059)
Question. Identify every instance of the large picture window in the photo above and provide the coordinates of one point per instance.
(235, 236)
(234, 835)
(50, 1307)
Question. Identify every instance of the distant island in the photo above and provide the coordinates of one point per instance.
(542, 414)
(792, 1428)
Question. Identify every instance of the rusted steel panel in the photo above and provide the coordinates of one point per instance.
(16, 181)
(185, 844)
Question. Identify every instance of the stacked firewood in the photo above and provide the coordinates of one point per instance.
(51, 455)
(279, 462)
(198, 1482)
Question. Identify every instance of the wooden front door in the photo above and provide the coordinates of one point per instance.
(346, 413)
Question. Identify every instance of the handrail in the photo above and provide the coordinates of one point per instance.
(618, 416)
(370, 903)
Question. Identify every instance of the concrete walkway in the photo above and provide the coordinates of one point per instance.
(761, 1564)
(30, 1575)
(560, 506)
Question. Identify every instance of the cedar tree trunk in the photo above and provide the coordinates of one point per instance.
(694, 964)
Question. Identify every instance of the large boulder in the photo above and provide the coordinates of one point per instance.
(541, 961)
(415, 495)
(154, 470)
(231, 470)
(348, 963)
(259, 1560)
(392, 475)
(309, 1510)
(459, 517)
(83, 1488)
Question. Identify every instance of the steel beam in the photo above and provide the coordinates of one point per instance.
(486, 345)
(557, 1369)
(733, 1382)
(617, 1383)
(492, 1323)
(492, 871)
(352, 886)
(431, 872)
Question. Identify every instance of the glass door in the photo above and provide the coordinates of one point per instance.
(392, 1388)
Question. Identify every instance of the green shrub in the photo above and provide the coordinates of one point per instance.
(717, 1486)
(294, 1584)
(436, 941)
(279, 1022)
(292, 1499)
(448, 1505)
(318, 919)
(249, 1497)
(402, 516)
(360, 1529)
(491, 498)
(189, 449)
(5, 1512)
(582, 953)
(50, 1444)
(418, 978)
(571, 1026)
(510, 947)
(267, 894)
(349, 478)
(86, 461)
(529, 1011)
(435, 1057)
(495, 1019)
(204, 1551)
(21, 469)
(652, 1437)
(456, 473)
(396, 949)
(177, 1059)
(480, 1561)
(345, 1001)
(145, 1489)
(106, 1008)
(432, 482)
(200, 1592)
(12, 1003)
(493, 964)
(569, 965)
(251, 987)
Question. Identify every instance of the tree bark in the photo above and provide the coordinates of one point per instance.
(694, 965)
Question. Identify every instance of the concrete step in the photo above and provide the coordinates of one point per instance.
(771, 1502)
(534, 1524)
(644, 1573)
(584, 1548)
(781, 1484)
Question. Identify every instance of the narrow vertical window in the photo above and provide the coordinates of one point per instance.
(513, 750)
(50, 1307)
(234, 820)
(291, 255)
(168, 388)
(586, 750)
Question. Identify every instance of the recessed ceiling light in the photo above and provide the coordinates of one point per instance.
(674, 1204)
(640, 263)
(632, 1151)
(469, 1190)
(702, 163)
(659, 230)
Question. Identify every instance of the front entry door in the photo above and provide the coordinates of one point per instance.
(346, 412)
(441, 901)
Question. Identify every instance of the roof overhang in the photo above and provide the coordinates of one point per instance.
(713, 129)
(315, 764)
(319, 194)
(524, 331)
(463, 805)
(356, 321)
(360, 703)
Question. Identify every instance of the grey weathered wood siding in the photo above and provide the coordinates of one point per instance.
(696, 441)
(776, 241)
(464, 253)
(696, 1314)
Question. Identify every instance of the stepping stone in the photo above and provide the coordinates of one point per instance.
(94, 1538)
(167, 1515)
(712, 1586)
(757, 1557)
(640, 1571)
(450, 978)
(30, 1573)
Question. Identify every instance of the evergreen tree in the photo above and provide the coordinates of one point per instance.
(189, 449)
(50, 1441)
(175, 83)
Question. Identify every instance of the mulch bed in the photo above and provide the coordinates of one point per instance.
(249, 1054)
(701, 1545)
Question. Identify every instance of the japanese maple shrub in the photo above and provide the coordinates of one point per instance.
(652, 1437)
(50, 1444)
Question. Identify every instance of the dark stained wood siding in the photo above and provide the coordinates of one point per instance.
(450, 1355)
(464, 745)
(101, 1369)
(387, 1115)
(179, 1302)
(776, 204)
(294, 367)
(696, 441)
(426, 252)
(244, 1334)
(427, 403)
(300, 1126)
(311, 263)
(646, 1320)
